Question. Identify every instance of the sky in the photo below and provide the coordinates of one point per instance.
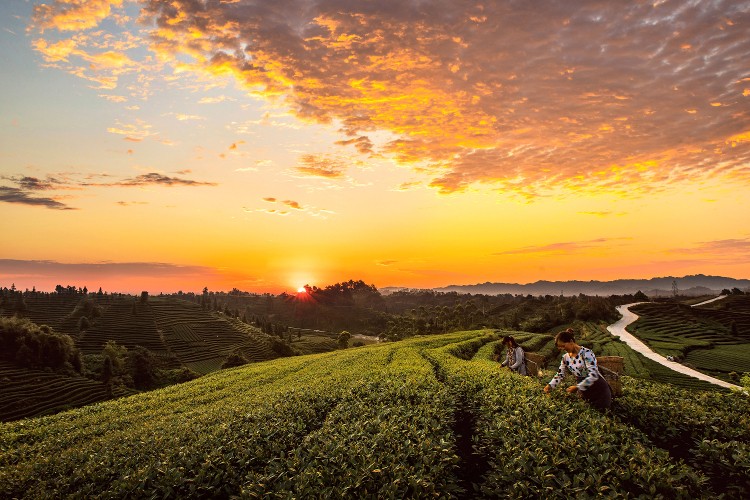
(175, 145)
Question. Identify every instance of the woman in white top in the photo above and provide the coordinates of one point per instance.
(514, 357)
(581, 362)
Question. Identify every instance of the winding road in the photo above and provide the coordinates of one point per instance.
(618, 330)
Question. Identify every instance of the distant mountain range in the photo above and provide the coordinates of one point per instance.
(695, 285)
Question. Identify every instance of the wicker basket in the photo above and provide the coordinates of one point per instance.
(534, 363)
(612, 367)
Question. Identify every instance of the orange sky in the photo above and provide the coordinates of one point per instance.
(172, 145)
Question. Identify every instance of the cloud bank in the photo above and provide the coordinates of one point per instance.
(525, 97)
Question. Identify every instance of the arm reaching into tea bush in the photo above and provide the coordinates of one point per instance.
(581, 362)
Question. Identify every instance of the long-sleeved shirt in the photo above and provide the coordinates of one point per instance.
(589, 370)
(520, 363)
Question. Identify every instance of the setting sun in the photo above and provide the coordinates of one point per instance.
(301, 289)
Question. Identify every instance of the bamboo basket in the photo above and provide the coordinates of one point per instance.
(534, 363)
(612, 368)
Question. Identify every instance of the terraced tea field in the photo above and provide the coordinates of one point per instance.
(30, 393)
(426, 417)
(177, 332)
(715, 338)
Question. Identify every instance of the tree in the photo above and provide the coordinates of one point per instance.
(117, 355)
(235, 359)
(108, 372)
(343, 339)
(640, 296)
(83, 324)
(141, 365)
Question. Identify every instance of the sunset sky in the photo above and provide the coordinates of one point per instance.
(169, 145)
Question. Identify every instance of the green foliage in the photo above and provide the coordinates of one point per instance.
(235, 359)
(384, 421)
(343, 339)
(33, 346)
(714, 339)
(142, 368)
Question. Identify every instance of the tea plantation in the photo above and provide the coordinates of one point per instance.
(714, 339)
(426, 417)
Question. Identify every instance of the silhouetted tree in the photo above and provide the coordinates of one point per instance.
(141, 365)
(343, 339)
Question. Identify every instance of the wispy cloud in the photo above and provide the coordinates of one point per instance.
(321, 166)
(566, 247)
(289, 207)
(27, 185)
(16, 195)
(732, 249)
(158, 179)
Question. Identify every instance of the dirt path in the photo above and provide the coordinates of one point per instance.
(618, 330)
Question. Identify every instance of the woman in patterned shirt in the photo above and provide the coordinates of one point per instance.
(581, 362)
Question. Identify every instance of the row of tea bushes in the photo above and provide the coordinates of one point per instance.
(426, 417)
(553, 446)
(709, 430)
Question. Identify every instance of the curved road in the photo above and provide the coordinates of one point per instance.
(618, 330)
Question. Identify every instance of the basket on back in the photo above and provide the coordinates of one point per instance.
(534, 363)
(612, 368)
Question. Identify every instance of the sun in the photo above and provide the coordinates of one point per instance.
(301, 289)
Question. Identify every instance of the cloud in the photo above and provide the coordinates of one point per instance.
(134, 132)
(72, 15)
(562, 247)
(362, 143)
(722, 249)
(290, 207)
(386, 262)
(15, 195)
(214, 100)
(293, 204)
(583, 96)
(158, 179)
(321, 166)
(27, 185)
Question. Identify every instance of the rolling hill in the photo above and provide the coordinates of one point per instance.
(698, 284)
(425, 417)
(178, 333)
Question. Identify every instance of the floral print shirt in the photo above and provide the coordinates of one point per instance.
(582, 365)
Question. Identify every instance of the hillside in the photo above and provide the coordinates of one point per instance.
(714, 338)
(694, 285)
(180, 338)
(429, 416)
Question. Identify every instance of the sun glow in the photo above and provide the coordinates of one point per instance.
(301, 289)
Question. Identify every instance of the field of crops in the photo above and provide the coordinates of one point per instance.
(27, 393)
(714, 339)
(426, 417)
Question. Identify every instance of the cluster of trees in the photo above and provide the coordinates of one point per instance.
(136, 368)
(29, 345)
(733, 291)
(357, 307)
(527, 313)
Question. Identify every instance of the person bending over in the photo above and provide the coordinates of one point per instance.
(581, 362)
(514, 357)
